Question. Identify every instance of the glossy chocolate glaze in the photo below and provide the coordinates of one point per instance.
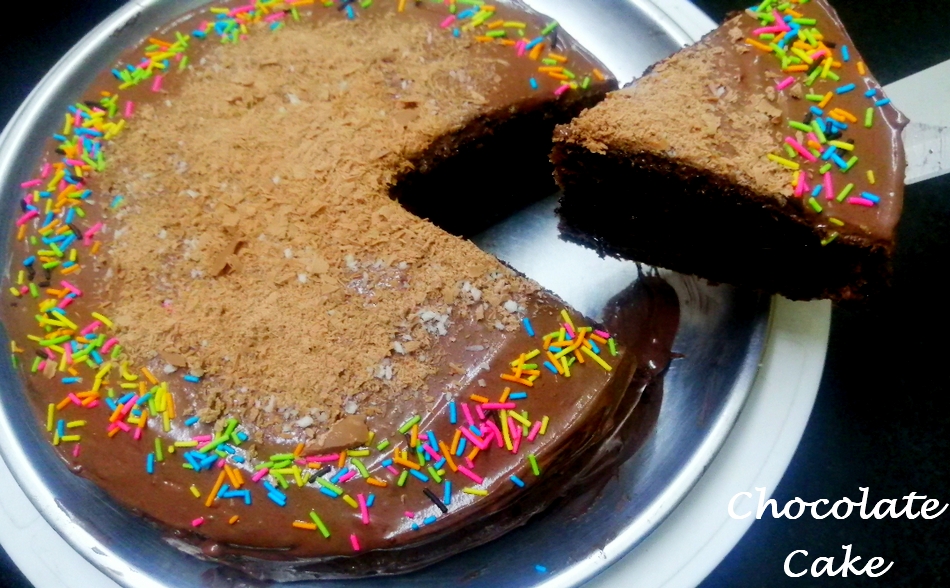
(880, 148)
(585, 411)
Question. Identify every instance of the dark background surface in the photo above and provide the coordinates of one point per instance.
(880, 418)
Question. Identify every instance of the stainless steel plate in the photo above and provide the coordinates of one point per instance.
(722, 335)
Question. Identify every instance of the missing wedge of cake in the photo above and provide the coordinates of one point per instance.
(765, 156)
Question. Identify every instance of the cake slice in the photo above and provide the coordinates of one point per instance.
(764, 156)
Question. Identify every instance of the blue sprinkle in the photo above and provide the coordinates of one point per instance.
(419, 475)
(817, 111)
(829, 153)
(429, 520)
(455, 33)
(839, 162)
(111, 404)
(476, 430)
(349, 12)
(447, 493)
(387, 462)
(336, 477)
(70, 215)
(438, 465)
(247, 497)
(415, 527)
(72, 380)
(370, 500)
(533, 42)
(192, 379)
(191, 421)
(517, 481)
(97, 358)
(593, 346)
(228, 449)
(870, 93)
(525, 322)
(270, 487)
(534, 83)
(845, 89)
(540, 569)
(328, 492)
(845, 54)
(871, 197)
(461, 448)
(143, 399)
(432, 442)
(150, 463)
(126, 398)
(278, 499)
(224, 490)
(115, 202)
(554, 349)
(453, 413)
(817, 190)
(517, 396)
(883, 102)
(209, 461)
(61, 428)
(194, 462)
(29, 261)
(551, 367)
(238, 459)
(466, 13)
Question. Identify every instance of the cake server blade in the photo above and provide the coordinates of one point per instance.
(927, 149)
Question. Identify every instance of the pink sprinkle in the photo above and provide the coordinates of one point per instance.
(603, 334)
(534, 430)
(569, 330)
(274, 17)
(71, 288)
(515, 444)
(198, 522)
(785, 83)
(392, 469)
(90, 328)
(814, 139)
(76, 450)
(76, 162)
(300, 462)
(859, 201)
(347, 477)
(467, 472)
(219, 464)
(28, 199)
(41, 366)
(241, 10)
(469, 461)
(324, 458)
(157, 83)
(363, 510)
(65, 302)
(473, 439)
(432, 452)
(448, 20)
(260, 474)
(137, 434)
(47, 168)
(496, 433)
(88, 235)
(49, 354)
(780, 22)
(93, 404)
(480, 411)
(77, 120)
(124, 426)
(129, 108)
(109, 344)
(75, 399)
(202, 438)
(62, 183)
(26, 217)
(30, 184)
(354, 542)
(520, 47)
(24, 289)
(488, 437)
(829, 187)
(468, 414)
(499, 405)
(515, 428)
(409, 514)
(818, 54)
(801, 187)
(767, 30)
(800, 149)
(561, 89)
(68, 354)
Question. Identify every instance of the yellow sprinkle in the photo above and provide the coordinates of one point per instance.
(871, 176)
(504, 429)
(566, 367)
(597, 358)
(567, 319)
(195, 491)
(349, 500)
(475, 491)
(782, 161)
(842, 145)
(102, 319)
(544, 425)
(835, 221)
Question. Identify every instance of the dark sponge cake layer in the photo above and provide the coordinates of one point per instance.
(698, 222)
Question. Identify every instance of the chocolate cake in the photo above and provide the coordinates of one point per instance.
(242, 300)
(765, 156)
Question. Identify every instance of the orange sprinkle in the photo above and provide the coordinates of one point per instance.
(551, 69)
(484, 39)
(844, 113)
(143, 420)
(507, 42)
(230, 472)
(448, 454)
(824, 101)
(598, 74)
(557, 57)
(238, 478)
(496, 24)
(455, 440)
(577, 354)
(342, 460)
(114, 432)
(861, 68)
(478, 398)
(298, 450)
(598, 338)
(304, 526)
(536, 52)
(233, 519)
(170, 406)
(558, 76)
(472, 454)
(21, 233)
(414, 435)
(758, 45)
(795, 68)
(95, 246)
(504, 394)
(377, 482)
(556, 362)
(402, 6)
(215, 489)
(510, 378)
(65, 402)
(406, 463)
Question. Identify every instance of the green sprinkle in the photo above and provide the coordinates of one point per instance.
(804, 21)
(549, 61)
(812, 76)
(832, 75)
(408, 424)
(359, 466)
(280, 479)
(282, 457)
(585, 83)
(612, 345)
(34, 292)
(548, 29)
(183, 63)
(496, 33)
(792, 154)
(814, 204)
(868, 118)
(323, 528)
(36, 365)
(799, 126)
(818, 132)
(534, 464)
(435, 475)
(402, 478)
(159, 454)
(824, 169)
(830, 238)
(382, 445)
(851, 162)
(844, 193)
